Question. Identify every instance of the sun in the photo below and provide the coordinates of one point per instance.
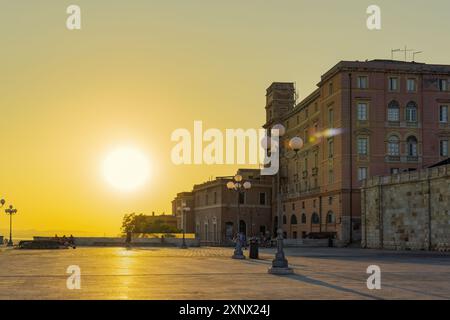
(126, 168)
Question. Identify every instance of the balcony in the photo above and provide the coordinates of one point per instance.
(393, 123)
(412, 158)
(412, 124)
(390, 158)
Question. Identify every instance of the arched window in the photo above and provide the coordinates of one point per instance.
(293, 219)
(411, 142)
(411, 112)
(303, 218)
(393, 146)
(331, 218)
(284, 219)
(393, 111)
(315, 218)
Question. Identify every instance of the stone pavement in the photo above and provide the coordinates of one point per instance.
(210, 273)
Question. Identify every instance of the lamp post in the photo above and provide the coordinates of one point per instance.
(239, 187)
(280, 264)
(2, 203)
(10, 211)
(183, 224)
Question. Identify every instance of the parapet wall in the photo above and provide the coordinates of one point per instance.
(118, 241)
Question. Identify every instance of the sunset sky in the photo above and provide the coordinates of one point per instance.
(137, 70)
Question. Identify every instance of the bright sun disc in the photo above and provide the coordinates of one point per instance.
(126, 169)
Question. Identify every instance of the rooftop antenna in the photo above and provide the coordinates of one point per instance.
(406, 50)
(393, 51)
(414, 55)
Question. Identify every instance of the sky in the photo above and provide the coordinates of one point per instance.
(138, 70)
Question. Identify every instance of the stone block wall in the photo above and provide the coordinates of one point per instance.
(410, 211)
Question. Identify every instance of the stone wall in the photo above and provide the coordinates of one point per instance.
(409, 211)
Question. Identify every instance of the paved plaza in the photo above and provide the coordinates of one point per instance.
(210, 273)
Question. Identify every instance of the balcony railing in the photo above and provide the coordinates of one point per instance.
(412, 158)
(392, 158)
(315, 171)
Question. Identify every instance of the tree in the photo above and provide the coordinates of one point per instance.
(140, 223)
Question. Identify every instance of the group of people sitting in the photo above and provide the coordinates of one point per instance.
(67, 242)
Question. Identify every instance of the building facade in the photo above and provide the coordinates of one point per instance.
(183, 210)
(216, 213)
(407, 211)
(365, 119)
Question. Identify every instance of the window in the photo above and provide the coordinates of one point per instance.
(262, 198)
(330, 88)
(330, 176)
(293, 219)
(293, 206)
(362, 111)
(443, 83)
(303, 218)
(206, 199)
(443, 114)
(306, 136)
(362, 173)
(331, 217)
(215, 197)
(393, 84)
(330, 148)
(444, 148)
(411, 112)
(306, 113)
(315, 218)
(393, 146)
(362, 146)
(411, 142)
(298, 119)
(362, 82)
(395, 170)
(330, 200)
(284, 219)
(393, 111)
(303, 204)
(411, 85)
(330, 117)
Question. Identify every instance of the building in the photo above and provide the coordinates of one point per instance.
(407, 211)
(186, 220)
(365, 119)
(166, 219)
(215, 208)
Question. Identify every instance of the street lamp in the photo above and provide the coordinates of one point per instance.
(10, 211)
(183, 223)
(280, 264)
(240, 187)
